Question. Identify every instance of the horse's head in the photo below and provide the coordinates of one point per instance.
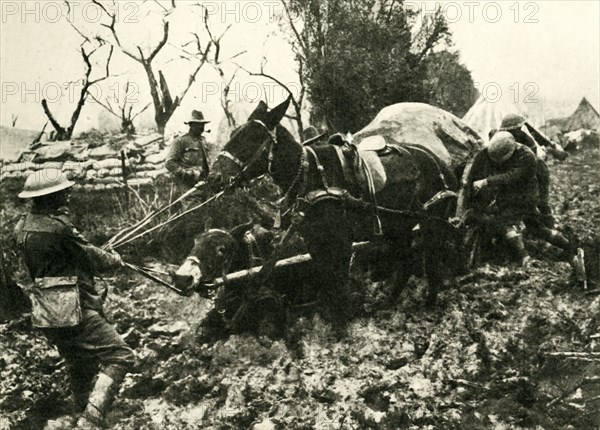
(257, 241)
(211, 256)
(248, 152)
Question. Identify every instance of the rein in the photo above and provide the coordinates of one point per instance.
(128, 235)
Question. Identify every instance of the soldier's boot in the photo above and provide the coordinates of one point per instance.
(81, 381)
(546, 215)
(99, 401)
(559, 240)
(515, 243)
(61, 423)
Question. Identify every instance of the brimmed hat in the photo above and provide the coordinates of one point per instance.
(197, 116)
(512, 121)
(44, 182)
(502, 147)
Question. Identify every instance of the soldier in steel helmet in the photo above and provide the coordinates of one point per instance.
(506, 185)
(525, 134)
(187, 159)
(66, 306)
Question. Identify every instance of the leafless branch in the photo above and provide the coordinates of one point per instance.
(296, 102)
(290, 21)
(85, 38)
(158, 3)
(107, 71)
(162, 43)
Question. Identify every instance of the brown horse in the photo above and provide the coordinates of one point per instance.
(333, 219)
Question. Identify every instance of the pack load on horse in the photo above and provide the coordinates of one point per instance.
(379, 188)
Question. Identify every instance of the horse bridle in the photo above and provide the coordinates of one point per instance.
(268, 145)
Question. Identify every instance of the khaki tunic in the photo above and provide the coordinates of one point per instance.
(187, 160)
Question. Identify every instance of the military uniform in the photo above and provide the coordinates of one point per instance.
(51, 247)
(513, 183)
(513, 124)
(187, 160)
(512, 186)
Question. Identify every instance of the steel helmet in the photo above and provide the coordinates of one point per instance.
(44, 182)
(501, 147)
(512, 121)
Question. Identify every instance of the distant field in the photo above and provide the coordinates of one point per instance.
(13, 141)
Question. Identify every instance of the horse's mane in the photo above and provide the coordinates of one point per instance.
(284, 133)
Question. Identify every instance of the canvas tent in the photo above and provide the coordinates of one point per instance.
(584, 117)
(487, 114)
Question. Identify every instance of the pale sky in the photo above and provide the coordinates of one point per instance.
(551, 54)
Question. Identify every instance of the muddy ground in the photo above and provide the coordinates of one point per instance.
(505, 348)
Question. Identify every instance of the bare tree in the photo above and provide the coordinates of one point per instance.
(65, 133)
(88, 49)
(297, 100)
(164, 104)
(227, 80)
(123, 111)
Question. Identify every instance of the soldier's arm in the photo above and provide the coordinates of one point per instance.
(89, 256)
(523, 167)
(551, 147)
(173, 163)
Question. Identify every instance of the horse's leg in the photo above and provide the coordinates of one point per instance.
(433, 258)
(401, 257)
(329, 241)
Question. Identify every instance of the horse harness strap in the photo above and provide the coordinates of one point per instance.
(305, 166)
(254, 254)
(230, 156)
(268, 143)
(320, 167)
(433, 158)
(372, 193)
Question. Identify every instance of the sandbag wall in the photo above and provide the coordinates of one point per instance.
(98, 168)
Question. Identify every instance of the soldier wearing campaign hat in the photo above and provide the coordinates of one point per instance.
(187, 159)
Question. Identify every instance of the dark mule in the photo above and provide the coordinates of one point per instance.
(413, 175)
(217, 252)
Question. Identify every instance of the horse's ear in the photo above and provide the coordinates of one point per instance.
(259, 112)
(239, 231)
(208, 222)
(276, 114)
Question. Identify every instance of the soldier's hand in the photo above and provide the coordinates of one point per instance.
(118, 259)
(479, 185)
(193, 174)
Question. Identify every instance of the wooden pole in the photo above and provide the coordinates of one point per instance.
(244, 275)
(124, 174)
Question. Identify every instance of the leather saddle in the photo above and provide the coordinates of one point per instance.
(362, 166)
